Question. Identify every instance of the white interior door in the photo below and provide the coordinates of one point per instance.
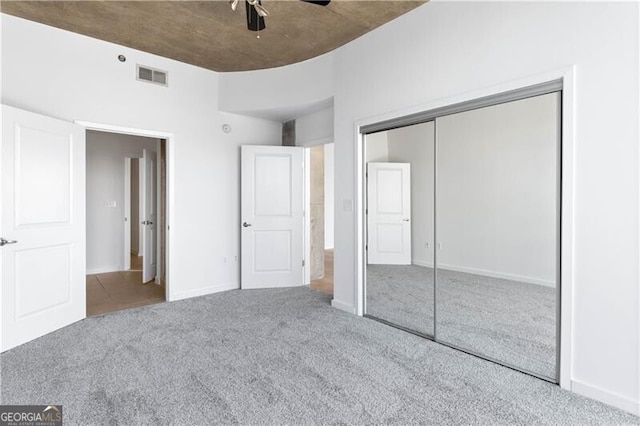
(127, 214)
(148, 216)
(272, 221)
(389, 213)
(43, 222)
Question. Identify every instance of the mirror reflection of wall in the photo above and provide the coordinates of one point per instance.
(497, 216)
(400, 226)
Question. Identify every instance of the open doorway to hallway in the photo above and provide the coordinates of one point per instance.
(126, 205)
(321, 211)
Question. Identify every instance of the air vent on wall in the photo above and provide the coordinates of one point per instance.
(152, 75)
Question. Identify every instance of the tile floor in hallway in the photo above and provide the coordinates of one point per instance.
(325, 284)
(136, 263)
(115, 291)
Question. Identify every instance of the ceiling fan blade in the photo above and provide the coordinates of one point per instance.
(318, 2)
(255, 22)
(261, 10)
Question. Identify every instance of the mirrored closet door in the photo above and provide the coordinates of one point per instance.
(497, 232)
(399, 227)
(462, 227)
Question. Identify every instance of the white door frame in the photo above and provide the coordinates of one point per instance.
(169, 214)
(127, 213)
(307, 204)
(266, 225)
(306, 269)
(567, 75)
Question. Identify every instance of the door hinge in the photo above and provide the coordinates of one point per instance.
(303, 262)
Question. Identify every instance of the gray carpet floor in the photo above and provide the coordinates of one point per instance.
(402, 295)
(273, 357)
(509, 321)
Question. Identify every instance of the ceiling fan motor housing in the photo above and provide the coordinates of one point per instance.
(255, 22)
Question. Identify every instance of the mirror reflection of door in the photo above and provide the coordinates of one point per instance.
(389, 213)
(400, 227)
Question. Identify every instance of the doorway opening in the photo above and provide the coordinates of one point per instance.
(126, 210)
(321, 217)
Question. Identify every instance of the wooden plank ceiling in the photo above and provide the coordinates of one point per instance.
(209, 34)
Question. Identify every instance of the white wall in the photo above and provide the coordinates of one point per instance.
(497, 190)
(377, 147)
(414, 145)
(279, 93)
(105, 184)
(315, 128)
(94, 86)
(458, 48)
(329, 199)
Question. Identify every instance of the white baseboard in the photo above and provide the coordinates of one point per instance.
(202, 291)
(343, 306)
(103, 270)
(422, 263)
(494, 274)
(606, 397)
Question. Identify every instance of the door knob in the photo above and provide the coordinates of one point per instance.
(4, 242)
(246, 225)
(146, 222)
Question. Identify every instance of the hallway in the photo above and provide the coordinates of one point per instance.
(115, 291)
(325, 284)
